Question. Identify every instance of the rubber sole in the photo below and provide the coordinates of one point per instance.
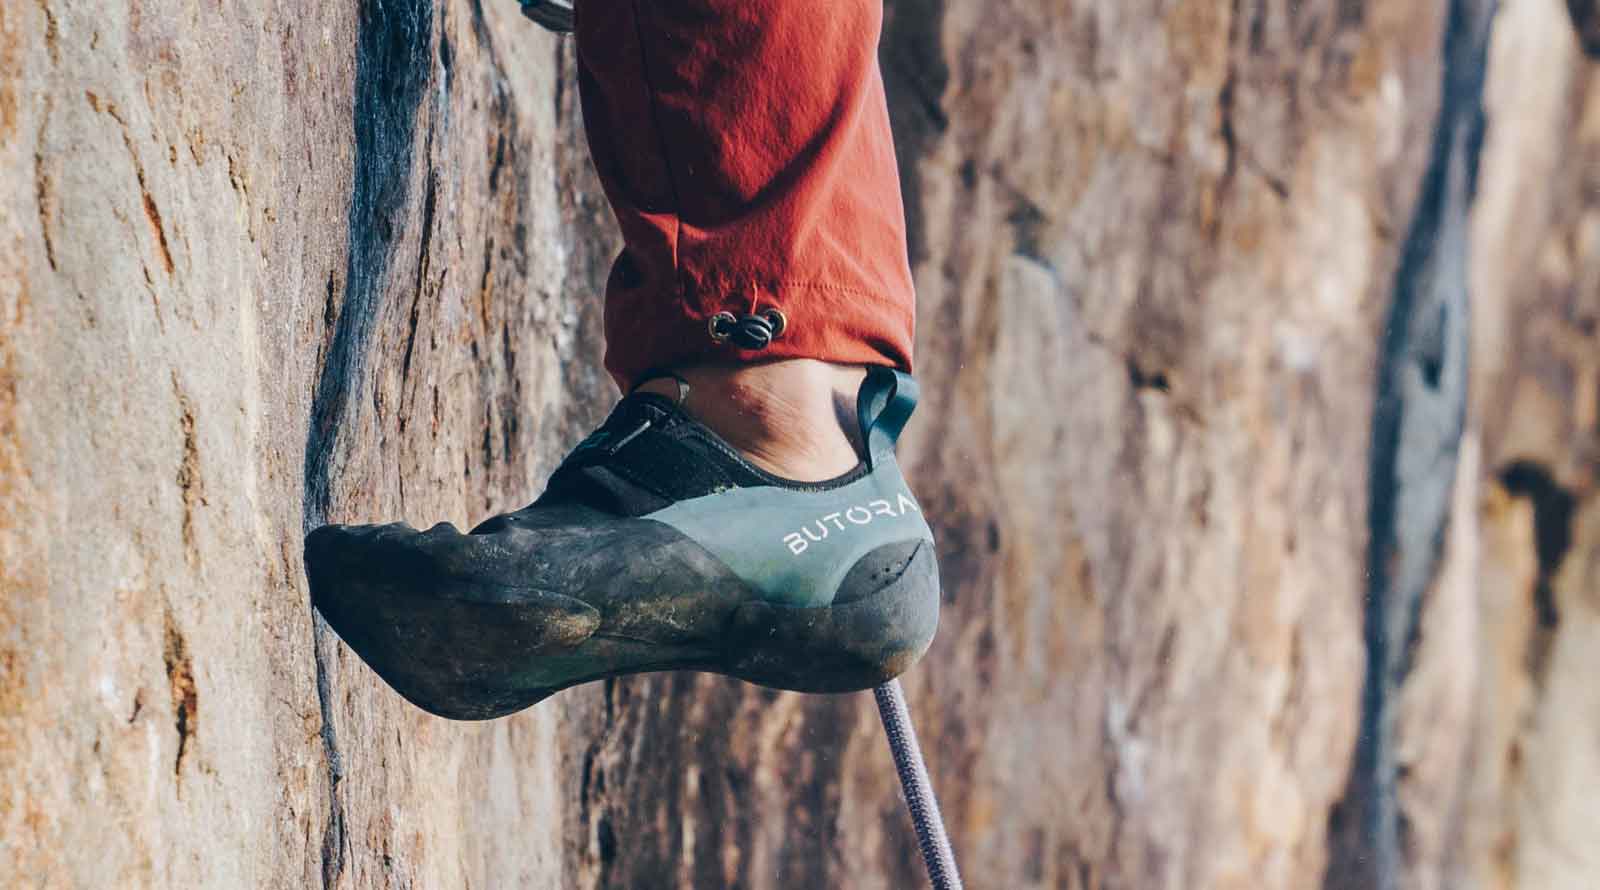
(467, 650)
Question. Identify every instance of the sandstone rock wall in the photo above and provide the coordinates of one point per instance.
(266, 264)
(1260, 433)
(1535, 417)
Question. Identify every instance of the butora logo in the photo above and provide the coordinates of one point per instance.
(861, 514)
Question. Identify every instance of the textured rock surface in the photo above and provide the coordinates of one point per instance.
(1529, 822)
(266, 266)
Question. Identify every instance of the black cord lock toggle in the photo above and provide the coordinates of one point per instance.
(754, 331)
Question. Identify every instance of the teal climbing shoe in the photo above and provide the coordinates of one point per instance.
(655, 546)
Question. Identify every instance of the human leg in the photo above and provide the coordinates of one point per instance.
(745, 148)
(729, 525)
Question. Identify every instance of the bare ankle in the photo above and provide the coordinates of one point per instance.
(791, 417)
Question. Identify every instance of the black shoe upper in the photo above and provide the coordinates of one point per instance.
(649, 454)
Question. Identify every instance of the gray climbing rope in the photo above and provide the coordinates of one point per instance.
(936, 852)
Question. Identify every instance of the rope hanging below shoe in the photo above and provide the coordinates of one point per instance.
(754, 331)
(924, 807)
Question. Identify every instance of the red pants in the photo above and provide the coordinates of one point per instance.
(745, 148)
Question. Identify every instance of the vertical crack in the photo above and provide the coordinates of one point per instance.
(333, 834)
(185, 696)
(423, 257)
(1418, 419)
(393, 65)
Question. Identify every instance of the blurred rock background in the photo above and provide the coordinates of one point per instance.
(1260, 343)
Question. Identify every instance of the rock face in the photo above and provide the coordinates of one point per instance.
(266, 265)
(1261, 434)
(1535, 418)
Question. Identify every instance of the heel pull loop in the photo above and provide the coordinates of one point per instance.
(883, 406)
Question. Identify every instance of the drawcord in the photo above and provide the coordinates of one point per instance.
(924, 807)
(754, 331)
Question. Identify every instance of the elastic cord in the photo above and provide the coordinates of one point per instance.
(658, 373)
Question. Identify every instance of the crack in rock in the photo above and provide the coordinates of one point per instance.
(1418, 421)
(185, 696)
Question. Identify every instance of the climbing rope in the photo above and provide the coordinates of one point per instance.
(936, 852)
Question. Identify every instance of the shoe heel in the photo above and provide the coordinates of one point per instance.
(857, 643)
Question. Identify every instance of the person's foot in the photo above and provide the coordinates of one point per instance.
(657, 545)
(795, 418)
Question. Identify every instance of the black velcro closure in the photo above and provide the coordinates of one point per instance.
(649, 454)
(648, 444)
(677, 465)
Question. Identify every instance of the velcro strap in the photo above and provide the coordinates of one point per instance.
(654, 448)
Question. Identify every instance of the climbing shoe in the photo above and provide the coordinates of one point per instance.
(655, 546)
